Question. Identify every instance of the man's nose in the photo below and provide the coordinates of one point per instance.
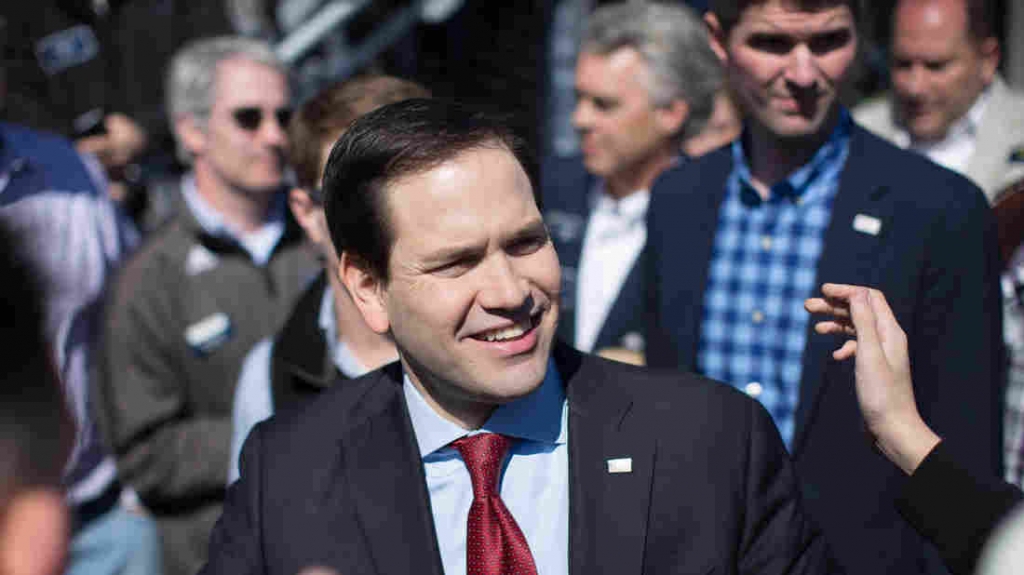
(802, 70)
(913, 80)
(273, 133)
(504, 288)
(582, 114)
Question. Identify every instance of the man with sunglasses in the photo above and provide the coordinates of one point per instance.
(325, 338)
(204, 289)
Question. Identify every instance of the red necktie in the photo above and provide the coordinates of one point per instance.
(494, 543)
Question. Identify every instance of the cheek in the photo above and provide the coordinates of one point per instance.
(545, 272)
(836, 65)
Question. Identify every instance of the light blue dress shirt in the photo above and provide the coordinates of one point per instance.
(534, 483)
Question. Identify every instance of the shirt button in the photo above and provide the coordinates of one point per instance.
(798, 201)
(757, 316)
(766, 243)
(753, 389)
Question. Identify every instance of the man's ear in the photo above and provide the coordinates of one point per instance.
(308, 214)
(716, 36)
(990, 54)
(367, 292)
(191, 133)
(672, 117)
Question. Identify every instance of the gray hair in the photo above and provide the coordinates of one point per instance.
(673, 42)
(193, 69)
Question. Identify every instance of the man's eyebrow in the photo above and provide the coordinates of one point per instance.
(531, 230)
(452, 253)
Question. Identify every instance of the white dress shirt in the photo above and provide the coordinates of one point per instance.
(616, 233)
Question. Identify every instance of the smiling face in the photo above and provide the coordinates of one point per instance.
(472, 294)
(621, 130)
(786, 65)
(938, 70)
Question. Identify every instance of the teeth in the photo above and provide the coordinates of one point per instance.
(507, 333)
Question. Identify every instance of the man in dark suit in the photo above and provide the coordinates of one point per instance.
(738, 239)
(645, 80)
(407, 469)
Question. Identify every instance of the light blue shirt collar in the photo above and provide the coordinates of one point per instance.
(540, 416)
(259, 244)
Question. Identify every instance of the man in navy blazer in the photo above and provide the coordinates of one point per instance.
(739, 238)
(645, 80)
(612, 468)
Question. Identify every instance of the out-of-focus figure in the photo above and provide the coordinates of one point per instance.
(948, 101)
(203, 290)
(646, 81)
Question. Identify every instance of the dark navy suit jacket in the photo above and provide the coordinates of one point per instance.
(934, 258)
(566, 187)
(340, 483)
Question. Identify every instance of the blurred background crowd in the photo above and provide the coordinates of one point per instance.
(160, 162)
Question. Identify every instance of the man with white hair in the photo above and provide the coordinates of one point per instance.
(204, 289)
(646, 80)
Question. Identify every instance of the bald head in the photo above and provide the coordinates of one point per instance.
(944, 57)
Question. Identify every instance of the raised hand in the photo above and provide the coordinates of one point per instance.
(884, 388)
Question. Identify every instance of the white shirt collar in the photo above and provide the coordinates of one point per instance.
(259, 244)
(965, 127)
(631, 209)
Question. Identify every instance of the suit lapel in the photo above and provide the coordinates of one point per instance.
(607, 511)
(848, 256)
(388, 485)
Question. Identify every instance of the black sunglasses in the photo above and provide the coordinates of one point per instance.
(249, 119)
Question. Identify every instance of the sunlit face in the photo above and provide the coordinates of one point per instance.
(246, 160)
(621, 130)
(938, 70)
(786, 65)
(472, 298)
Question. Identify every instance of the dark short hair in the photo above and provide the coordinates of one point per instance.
(392, 142)
(36, 431)
(729, 12)
(330, 112)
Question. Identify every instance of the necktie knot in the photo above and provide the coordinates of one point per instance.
(483, 454)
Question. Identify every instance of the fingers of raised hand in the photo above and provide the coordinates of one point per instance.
(834, 327)
(848, 350)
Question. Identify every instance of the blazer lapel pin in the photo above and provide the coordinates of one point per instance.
(620, 465)
(866, 224)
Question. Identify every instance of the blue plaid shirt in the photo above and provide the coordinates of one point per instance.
(763, 265)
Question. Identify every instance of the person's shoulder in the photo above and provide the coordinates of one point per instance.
(161, 258)
(875, 114)
(338, 409)
(27, 140)
(670, 392)
(913, 176)
(706, 172)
